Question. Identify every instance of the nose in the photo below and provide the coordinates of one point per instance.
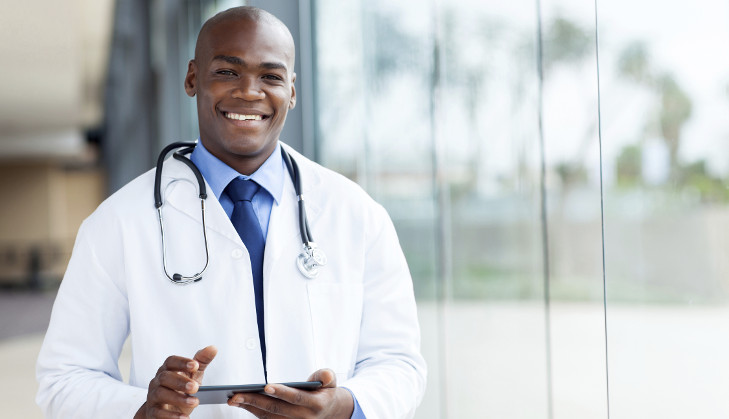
(248, 89)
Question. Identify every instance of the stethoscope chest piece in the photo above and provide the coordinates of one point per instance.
(310, 260)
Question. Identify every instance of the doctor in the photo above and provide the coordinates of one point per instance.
(354, 327)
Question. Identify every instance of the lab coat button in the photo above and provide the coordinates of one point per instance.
(251, 343)
(236, 254)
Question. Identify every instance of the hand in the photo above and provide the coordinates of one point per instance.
(330, 402)
(167, 396)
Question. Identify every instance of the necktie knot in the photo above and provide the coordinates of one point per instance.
(242, 189)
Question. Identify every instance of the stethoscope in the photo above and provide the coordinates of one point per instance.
(309, 261)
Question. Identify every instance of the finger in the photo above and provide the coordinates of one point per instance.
(326, 376)
(290, 395)
(260, 413)
(205, 356)
(178, 382)
(268, 405)
(179, 363)
(161, 396)
(159, 413)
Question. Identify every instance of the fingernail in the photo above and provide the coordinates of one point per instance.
(191, 365)
(190, 387)
(238, 399)
(190, 400)
(269, 389)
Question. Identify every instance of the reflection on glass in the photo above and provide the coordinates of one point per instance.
(572, 160)
(666, 206)
(488, 130)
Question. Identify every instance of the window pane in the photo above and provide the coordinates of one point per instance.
(664, 77)
(488, 131)
(572, 156)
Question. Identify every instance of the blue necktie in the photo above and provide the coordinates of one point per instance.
(244, 219)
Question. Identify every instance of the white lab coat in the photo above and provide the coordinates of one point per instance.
(357, 318)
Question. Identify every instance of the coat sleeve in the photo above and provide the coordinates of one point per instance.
(77, 368)
(390, 373)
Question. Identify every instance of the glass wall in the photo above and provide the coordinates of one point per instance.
(665, 89)
(572, 177)
(557, 173)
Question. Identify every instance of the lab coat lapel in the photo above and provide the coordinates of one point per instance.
(180, 191)
(283, 226)
(282, 222)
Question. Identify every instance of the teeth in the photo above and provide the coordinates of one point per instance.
(240, 117)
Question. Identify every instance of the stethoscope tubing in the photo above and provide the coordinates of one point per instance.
(189, 146)
(293, 169)
(308, 261)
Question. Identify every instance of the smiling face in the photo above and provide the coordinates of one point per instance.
(243, 78)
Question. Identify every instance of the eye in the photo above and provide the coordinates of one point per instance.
(225, 72)
(275, 77)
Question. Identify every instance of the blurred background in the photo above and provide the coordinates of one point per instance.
(556, 170)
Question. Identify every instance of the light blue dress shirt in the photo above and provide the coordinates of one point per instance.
(270, 176)
(218, 175)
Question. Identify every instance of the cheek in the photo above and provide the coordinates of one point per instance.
(210, 95)
(206, 106)
(284, 104)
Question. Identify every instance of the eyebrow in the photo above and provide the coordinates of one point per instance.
(238, 61)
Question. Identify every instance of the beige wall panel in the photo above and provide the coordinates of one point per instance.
(24, 211)
(84, 191)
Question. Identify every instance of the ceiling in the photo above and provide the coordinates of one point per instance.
(54, 56)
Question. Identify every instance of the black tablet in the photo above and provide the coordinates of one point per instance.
(221, 394)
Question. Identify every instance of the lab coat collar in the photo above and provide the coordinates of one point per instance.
(310, 179)
(177, 191)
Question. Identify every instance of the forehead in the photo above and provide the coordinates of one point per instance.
(250, 40)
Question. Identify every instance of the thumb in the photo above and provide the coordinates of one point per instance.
(326, 376)
(204, 357)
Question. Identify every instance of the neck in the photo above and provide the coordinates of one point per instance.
(243, 162)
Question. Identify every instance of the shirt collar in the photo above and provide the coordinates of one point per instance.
(218, 174)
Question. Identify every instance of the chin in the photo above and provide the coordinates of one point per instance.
(247, 147)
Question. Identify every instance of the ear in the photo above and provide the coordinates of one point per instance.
(191, 79)
(292, 101)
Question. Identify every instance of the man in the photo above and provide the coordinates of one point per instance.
(354, 328)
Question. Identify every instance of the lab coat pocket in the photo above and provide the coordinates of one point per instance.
(336, 315)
